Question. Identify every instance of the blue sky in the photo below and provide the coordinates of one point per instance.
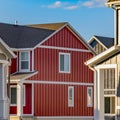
(88, 17)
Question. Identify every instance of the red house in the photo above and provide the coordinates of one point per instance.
(49, 79)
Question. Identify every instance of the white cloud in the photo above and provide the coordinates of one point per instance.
(72, 7)
(80, 3)
(88, 4)
(57, 4)
(94, 3)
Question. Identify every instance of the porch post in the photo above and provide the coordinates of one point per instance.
(19, 99)
(4, 101)
(100, 94)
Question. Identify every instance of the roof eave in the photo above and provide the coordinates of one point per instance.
(113, 4)
(100, 57)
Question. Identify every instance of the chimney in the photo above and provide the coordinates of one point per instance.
(115, 4)
(16, 22)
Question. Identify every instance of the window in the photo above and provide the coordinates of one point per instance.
(13, 95)
(24, 61)
(70, 96)
(89, 97)
(109, 105)
(64, 62)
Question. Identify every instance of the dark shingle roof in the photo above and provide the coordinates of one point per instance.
(106, 41)
(17, 36)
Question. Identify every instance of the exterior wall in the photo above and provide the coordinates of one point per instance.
(47, 65)
(65, 38)
(116, 60)
(52, 99)
(97, 47)
(27, 108)
(15, 63)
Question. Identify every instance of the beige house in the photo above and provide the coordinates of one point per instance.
(5, 57)
(106, 67)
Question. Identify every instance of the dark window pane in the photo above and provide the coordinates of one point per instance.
(24, 65)
(107, 104)
(61, 62)
(13, 95)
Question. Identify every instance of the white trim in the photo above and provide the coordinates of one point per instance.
(20, 49)
(62, 53)
(109, 95)
(70, 117)
(91, 97)
(57, 82)
(32, 60)
(4, 61)
(13, 86)
(106, 66)
(32, 99)
(63, 48)
(71, 102)
(7, 48)
(109, 89)
(118, 107)
(24, 95)
(110, 114)
(24, 70)
(102, 55)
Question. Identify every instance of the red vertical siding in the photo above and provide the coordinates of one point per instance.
(52, 100)
(14, 64)
(65, 38)
(27, 109)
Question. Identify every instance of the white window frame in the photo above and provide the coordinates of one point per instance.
(24, 70)
(71, 102)
(13, 86)
(61, 53)
(91, 98)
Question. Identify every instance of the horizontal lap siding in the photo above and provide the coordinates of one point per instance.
(47, 65)
(52, 100)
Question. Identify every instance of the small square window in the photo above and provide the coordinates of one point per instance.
(24, 61)
(64, 62)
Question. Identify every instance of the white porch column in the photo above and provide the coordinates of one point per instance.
(99, 95)
(4, 101)
(19, 99)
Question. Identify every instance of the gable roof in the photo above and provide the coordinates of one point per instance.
(49, 26)
(18, 36)
(112, 0)
(106, 42)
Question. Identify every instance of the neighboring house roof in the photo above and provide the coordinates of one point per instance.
(17, 36)
(20, 37)
(106, 42)
(49, 26)
(113, 3)
(6, 50)
(103, 56)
